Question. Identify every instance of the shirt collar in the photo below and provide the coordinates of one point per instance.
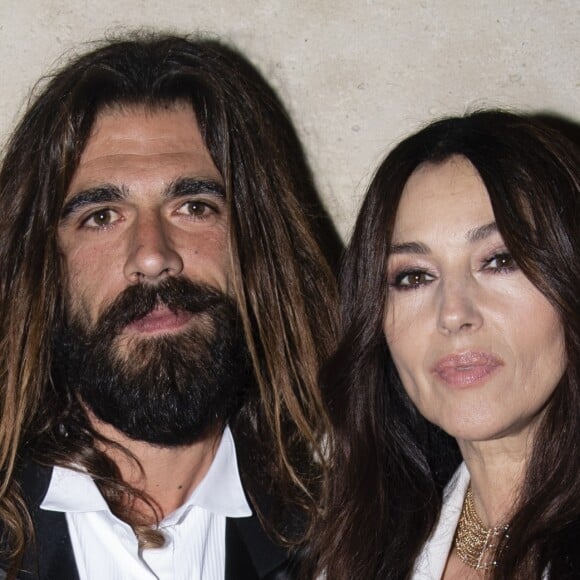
(219, 492)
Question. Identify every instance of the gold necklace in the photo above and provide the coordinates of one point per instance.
(474, 543)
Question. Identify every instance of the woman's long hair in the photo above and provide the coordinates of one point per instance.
(389, 465)
(283, 286)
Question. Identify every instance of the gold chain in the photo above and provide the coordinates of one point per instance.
(474, 543)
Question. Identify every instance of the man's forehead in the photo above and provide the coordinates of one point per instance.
(137, 142)
(136, 127)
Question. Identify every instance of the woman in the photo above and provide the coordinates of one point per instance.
(455, 392)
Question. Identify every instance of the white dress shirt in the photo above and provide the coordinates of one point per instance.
(106, 548)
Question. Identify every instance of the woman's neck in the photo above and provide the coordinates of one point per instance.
(497, 469)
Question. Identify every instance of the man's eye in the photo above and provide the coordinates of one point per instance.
(101, 219)
(198, 209)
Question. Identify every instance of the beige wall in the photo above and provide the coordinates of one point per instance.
(356, 75)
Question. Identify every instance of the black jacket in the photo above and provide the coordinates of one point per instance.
(250, 554)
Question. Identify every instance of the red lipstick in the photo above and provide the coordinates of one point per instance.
(466, 368)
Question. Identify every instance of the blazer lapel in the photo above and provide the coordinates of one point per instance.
(238, 561)
(52, 556)
(251, 555)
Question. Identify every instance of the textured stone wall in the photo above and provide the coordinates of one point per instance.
(357, 75)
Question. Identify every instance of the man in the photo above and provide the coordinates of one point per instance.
(162, 297)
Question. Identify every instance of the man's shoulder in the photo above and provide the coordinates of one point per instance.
(250, 552)
(249, 547)
(50, 555)
(260, 535)
(33, 480)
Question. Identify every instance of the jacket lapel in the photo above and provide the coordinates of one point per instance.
(52, 555)
(238, 561)
(251, 555)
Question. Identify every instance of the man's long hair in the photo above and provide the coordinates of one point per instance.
(282, 284)
(389, 465)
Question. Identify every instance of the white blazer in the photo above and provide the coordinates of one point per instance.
(430, 564)
(431, 561)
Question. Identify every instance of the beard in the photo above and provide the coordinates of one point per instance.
(167, 390)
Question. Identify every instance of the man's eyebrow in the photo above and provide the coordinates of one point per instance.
(108, 192)
(194, 186)
(95, 195)
(482, 232)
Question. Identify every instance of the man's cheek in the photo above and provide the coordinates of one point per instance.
(79, 307)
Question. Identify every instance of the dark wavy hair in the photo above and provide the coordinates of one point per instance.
(389, 465)
(282, 283)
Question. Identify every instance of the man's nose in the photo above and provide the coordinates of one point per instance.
(459, 308)
(151, 254)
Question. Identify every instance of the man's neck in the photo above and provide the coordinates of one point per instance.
(168, 475)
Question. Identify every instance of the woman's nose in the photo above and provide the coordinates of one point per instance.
(458, 307)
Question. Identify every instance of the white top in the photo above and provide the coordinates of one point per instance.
(106, 548)
(430, 564)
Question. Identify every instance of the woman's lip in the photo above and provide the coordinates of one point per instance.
(160, 320)
(466, 368)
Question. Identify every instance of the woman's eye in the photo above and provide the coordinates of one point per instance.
(101, 219)
(411, 280)
(501, 263)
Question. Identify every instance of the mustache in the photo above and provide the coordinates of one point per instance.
(176, 293)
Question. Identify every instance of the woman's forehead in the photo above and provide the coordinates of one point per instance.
(443, 197)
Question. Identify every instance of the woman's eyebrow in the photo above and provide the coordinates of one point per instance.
(409, 248)
(481, 232)
(475, 235)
